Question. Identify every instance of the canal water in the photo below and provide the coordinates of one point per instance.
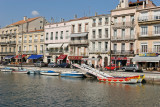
(22, 90)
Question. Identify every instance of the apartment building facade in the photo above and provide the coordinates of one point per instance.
(57, 37)
(148, 36)
(99, 40)
(123, 30)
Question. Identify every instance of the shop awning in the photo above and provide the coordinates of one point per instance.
(61, 57)
(65, 45)
(35, 56)
(75, 57)
(8, 57)
(19, 56)
(54, 45)
(79, 35)
(138, 58)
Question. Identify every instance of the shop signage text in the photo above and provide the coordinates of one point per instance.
(148, 54)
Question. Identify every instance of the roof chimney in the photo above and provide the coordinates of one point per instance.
(146, 1)
(75, 16)
(95, 13)
(25, 18)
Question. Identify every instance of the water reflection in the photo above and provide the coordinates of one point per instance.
(40, 90)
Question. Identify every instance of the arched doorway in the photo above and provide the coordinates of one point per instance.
(99, 61)
(105, 61)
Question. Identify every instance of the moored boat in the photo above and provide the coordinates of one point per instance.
(51, 73)
(72, 74)
(20, 70)
(7, 69)
(33, 71)
(127, 80)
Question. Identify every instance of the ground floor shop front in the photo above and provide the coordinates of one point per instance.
(148, 62)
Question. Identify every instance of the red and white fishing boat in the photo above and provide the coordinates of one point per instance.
(20, 70)
(127, 80)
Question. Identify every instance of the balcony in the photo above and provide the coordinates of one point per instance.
(25, 41)
(41, 40)
(7, 53)
(3, 43)
(30, 41)
(123, 38)
(148, 50)
(79, 42)
(122, 52)
(92, 51)
(152, 19)
(93, 24)
(100, 23)
(148, 35)
(35, 40)
(84, 54)
(12, 42)
(124, 25)
(54, 52)
(29, 52)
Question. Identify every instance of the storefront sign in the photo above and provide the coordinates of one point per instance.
(119, 58)
(75, 57)
(148, 54)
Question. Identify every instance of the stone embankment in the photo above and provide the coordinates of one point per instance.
(152, 77)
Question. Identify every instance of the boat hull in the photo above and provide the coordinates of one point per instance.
(127, 80)
(50, 74)
(6, 70)
(20, 72)
(75, 75)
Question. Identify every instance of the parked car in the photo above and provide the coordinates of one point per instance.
(132, 67)
(113, 67)
(64, 65)
(40, 64)
(52, 64)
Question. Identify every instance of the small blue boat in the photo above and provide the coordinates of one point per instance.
(7, 69)
(51, 73)
(75, 74)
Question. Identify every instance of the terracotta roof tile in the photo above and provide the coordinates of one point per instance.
(22, 21)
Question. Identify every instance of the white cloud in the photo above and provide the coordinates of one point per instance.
(35, 13)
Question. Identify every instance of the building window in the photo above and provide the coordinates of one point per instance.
(86, 27)
(61, 35)
(143, 16)
(30, 47)
(132, 18)
(115, 34)
(6, 49)
(157, 29)
(10, 49)
(46, 36)
(106, 33)
(94, 23)
(115, 47)
(132, 33)
(25, 48)
(157, 15)
(99, 46)
(100, 33)
(56, 37)
(93, 46)
(106, 20)
(156, 47)
(115, 20)
(123, 20)
(100, 21)
(51, 38)
(73, 28)
(67, 34)
(106, 46)
(79, 28)
(14, 49)
(123, 47)
(94, 33)
(1, 49)
(144, 47)
(144, 30)
(123, 33)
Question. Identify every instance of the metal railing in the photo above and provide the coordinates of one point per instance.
(126, 37)
(148, 50)
(8, 53)
(79, 42)
(41, 40)
(29, 52)
(148, 34)
(30, 41)
(12, 42)
(124, 52)
(148, 18)
(35, 40)
(25, 41)
(93, 24)
(123, 24)
(98, 51)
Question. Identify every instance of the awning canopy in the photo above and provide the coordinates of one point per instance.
(61, 57)
(79, 35)
(65, 45)
(20, 56)
(138, 58)
(54, 45)
(8, 57)
(35, 56)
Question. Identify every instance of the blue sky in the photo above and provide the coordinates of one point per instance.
(14, 10)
